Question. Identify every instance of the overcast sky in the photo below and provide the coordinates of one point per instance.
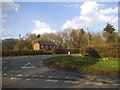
(41, 17)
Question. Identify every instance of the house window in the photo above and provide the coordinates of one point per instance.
(42, 46)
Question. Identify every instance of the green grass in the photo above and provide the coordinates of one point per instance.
(108, 67)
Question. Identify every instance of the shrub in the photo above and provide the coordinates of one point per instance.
(92, 52)
(21, 53)
(102, 51)
(74, 50)
(48, 52)
(60, 51)
(65, 51)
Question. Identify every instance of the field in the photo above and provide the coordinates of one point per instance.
(101, 66)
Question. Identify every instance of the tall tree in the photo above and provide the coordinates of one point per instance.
(23, 45)
(73, 38)
(97, 39)
(80, 38)
(109, 33)
(8, 44)
(77, 38)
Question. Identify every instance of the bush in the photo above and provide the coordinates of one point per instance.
(48, 52)
(92, 52)
(102, 51)
(65, 51)
(61, 51)
(74, 50)
(21, 53)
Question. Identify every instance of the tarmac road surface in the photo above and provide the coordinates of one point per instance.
(29, 72)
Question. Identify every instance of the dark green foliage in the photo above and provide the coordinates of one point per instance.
(102, 50)
(38, 36)
(48, 52)
(76, 38)
(65, 51)
(21, 53)
(109, 34)
(23, 45)
(8, 44)
(60, 51)
(92, 52)
(109, 28)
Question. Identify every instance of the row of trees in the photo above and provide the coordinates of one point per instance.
(74, 38)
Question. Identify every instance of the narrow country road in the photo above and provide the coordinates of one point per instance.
(29, 72)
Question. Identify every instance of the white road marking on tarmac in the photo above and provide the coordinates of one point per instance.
(28, 79)
(93, 83)
(41, 76)
(116, 84)
(19, 75)
(12, 78)
(48, 80)
(5, 74)
(98, 83)
(73, 82)
(27, 66)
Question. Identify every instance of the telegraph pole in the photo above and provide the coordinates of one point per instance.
(88, 37)
(19, 38)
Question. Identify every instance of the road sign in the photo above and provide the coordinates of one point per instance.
(28, 65)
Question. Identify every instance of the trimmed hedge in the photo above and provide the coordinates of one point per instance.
(65, 51)
(102, 51)
(48, 52)
(21, 53)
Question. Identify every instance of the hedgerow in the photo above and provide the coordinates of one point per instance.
(102, 51)
(21, 53)
(65, 51)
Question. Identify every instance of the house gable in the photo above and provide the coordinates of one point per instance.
(36, 46)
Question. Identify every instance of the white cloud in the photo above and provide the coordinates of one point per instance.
(10, 5)
(90, 15)
(2, 18)
(116, 28)
(41, 27)
(89, 8)
(4, 33)
(109, 10)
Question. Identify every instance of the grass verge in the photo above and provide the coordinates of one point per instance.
(108, 67)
